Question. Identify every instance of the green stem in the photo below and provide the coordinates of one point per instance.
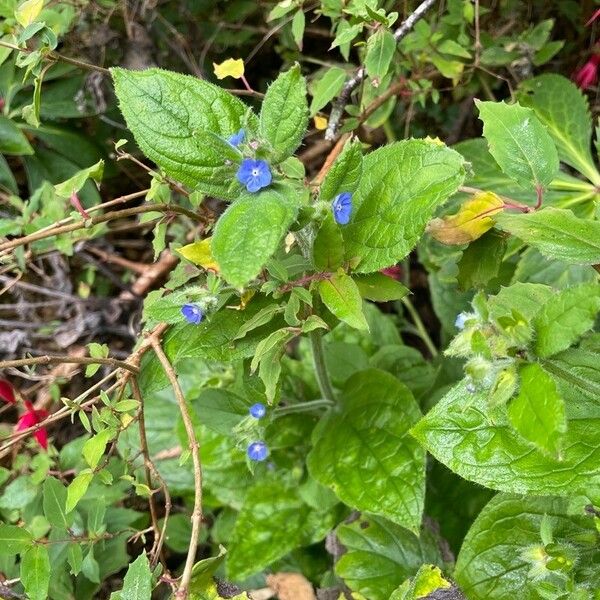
(302, 407)
(420, 327)
(316, 343)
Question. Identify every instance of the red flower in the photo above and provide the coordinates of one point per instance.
(587, 76)
(33, 417)
(6, 392)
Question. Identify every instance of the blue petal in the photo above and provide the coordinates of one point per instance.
(342, 208)
(253, 184)
(237, 138)
(245, 170)
(257, 451)
(193, 313)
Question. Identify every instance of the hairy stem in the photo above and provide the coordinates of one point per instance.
(196, 518)
(82, 360)
(316, 344)
(302, 407)
(422, 332)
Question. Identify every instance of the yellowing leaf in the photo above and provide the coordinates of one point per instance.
(200, 254)
(28, 11)
(472, 220)
(429, 579)
(320, 122)
(232, 67)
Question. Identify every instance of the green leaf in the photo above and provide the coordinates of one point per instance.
(94, 448)
(13, 539)
(565, 318)
(267, 359)
(460, 435)
(284, 114)
(561, 106)
(380, 51)
(490, 565)
(481, 261)
(75, 183)
(298, 24)
(55, 499)
(519, 143)
(345, 172)
(538, 411)
(429, 579)
(137, 584)
(248, 233)
(380, 555)
(272, 522)
(365, 454)
(262, 317)
(12, 139)
(342, 297)
(557, 233)
(176, 119)
(577, 374)
(75, 558)
(35, 572)
(77, 488)
(326, 88)
(328, 246)
(401, 186)
(379, 287)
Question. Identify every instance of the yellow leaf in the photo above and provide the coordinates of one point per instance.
(28, 11)
(320, 122)
(429, 579)
(200, 254)
(472, 220)
(232, 67)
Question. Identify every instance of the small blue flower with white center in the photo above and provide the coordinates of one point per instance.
(461, 318)
(258, 410)
(257, 451)
(342, 208)
(237, 138)
(193, 313)
(254, 174)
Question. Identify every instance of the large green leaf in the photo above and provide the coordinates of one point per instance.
(12, 139)
(458, 432)
(561, 106)
(137, 584)
(55, 499)
(326, 88)
(35, 572)
(248, 234)
(565, 318)
(272, 522)
(490, 565)
(380, 51)
(341, 296)
(401, 186)
(538, 410)
(364, 453)
(284, 114)
(557, 233)
(181, 123)
(519, 143)
(13, 539)
(380, 555)
(344, 174)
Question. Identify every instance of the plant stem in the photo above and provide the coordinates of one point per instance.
(316, 344)
(196, 518)
(420, 327)
(83, 360)
(302, 407)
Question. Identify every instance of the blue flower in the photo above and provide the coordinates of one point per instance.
(258, 410)
(237, 138)
(254, 174)
(342, 208)
(257, 451)
(461, 318)
(192, 313)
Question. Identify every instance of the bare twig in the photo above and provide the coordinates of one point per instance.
(196, 518)
(79, 360)
(338, 106)
(152, 471)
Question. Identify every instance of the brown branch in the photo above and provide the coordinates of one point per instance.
(339, 105)
(196, 518)
(110, 216)
(152, 471)
(79, 360)
(333, 154)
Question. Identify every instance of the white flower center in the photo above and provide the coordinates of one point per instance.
(255, 172)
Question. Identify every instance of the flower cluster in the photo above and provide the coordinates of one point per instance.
(30, 417)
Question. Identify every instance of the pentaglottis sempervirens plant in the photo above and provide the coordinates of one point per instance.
(276, 427)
